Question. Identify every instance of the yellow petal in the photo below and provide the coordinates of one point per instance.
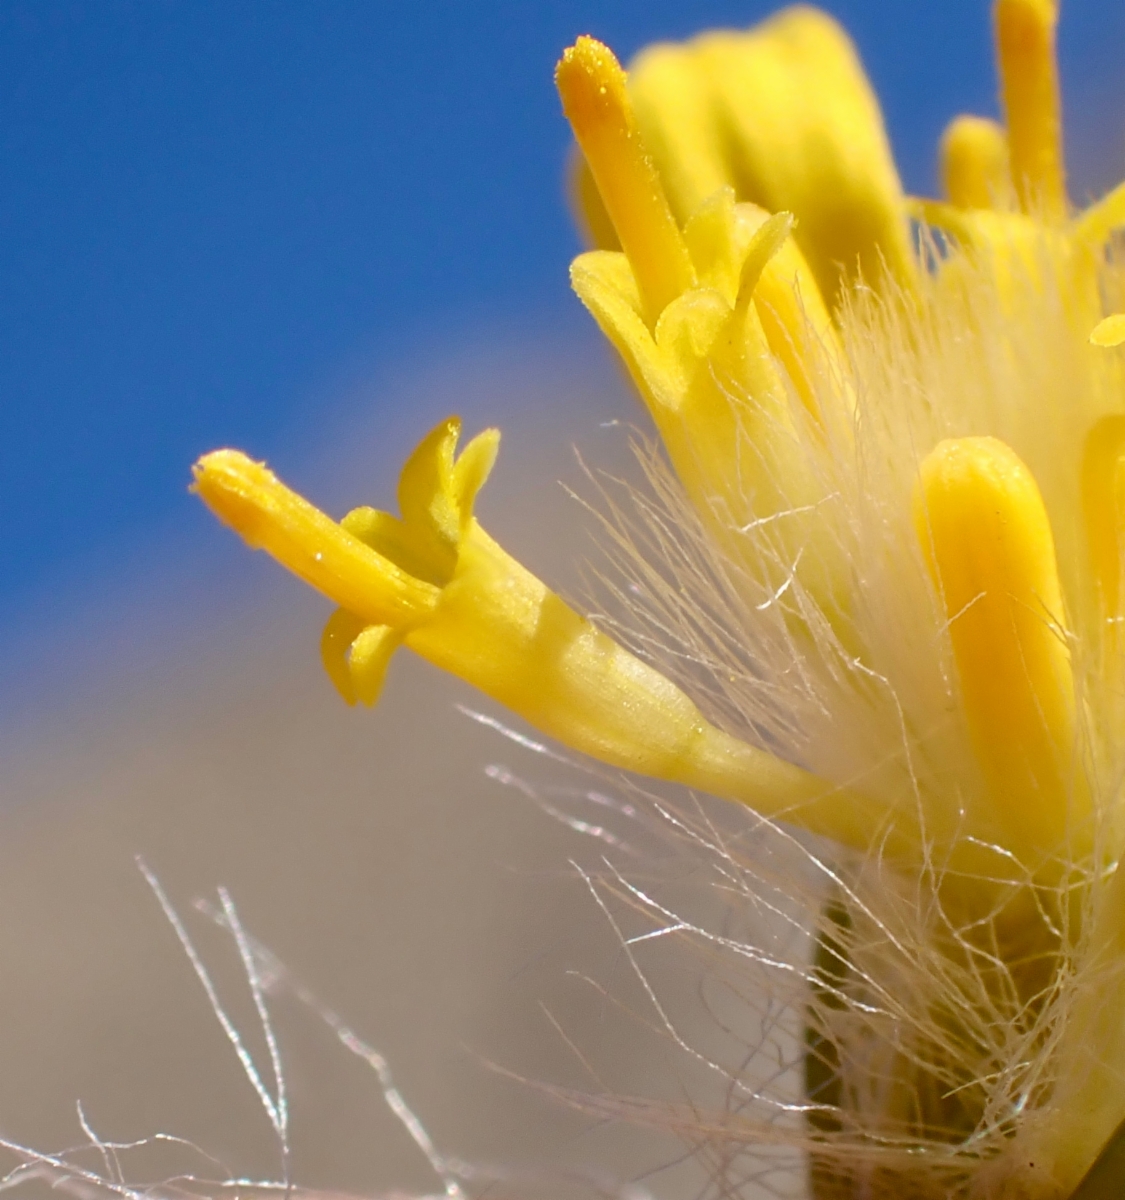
(673, 365)
(340, 630)
(371, 653)
(604, 282)
(425, 493)
(716, 241)
(471, 471)
(795, 320)
(987, 540)
(767, 242)
(713, 382)
(436, 490)
(421, 556)
(706, 406)
(356, 655)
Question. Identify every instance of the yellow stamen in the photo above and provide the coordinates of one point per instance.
(1110, 332)
(591, 84)
(1025, 42)
(356, 655)
(249, 498)
(988, 542)
(974, 163)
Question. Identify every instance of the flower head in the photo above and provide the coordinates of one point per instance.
(892, 552)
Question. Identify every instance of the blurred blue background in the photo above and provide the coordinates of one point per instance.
(217, 215)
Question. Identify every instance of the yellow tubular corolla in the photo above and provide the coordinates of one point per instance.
(592, 87)
(495, 625)
(1025, 44)
(988, 543)
(974, 163)
(707, 372)
(718, 363)
(721, 365)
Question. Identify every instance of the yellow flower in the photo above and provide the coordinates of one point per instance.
(897, 430)
(436, 582)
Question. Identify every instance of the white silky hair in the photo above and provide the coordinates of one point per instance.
(941, 1042)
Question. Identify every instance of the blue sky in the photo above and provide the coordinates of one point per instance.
(213, 214)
